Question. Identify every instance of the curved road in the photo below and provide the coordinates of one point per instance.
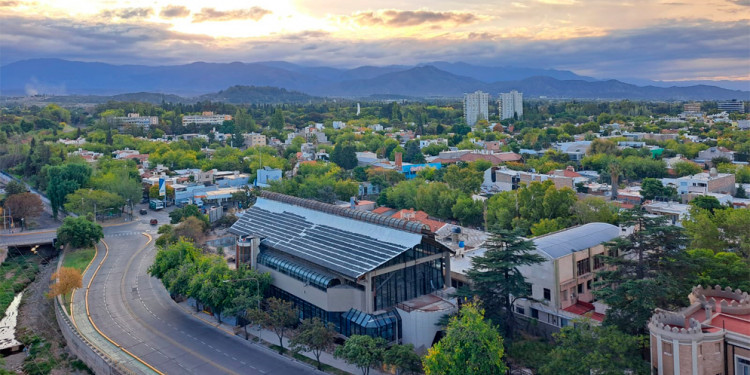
(134, 310)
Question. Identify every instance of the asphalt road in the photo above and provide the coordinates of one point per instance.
(134, 310)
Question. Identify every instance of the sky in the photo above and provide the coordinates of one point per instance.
(668, 40)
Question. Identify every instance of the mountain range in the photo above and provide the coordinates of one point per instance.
(436, 79)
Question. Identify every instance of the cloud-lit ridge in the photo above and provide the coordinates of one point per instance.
(404, 18)
(174, 11)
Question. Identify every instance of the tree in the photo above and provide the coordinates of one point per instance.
(707, 202)
(594, 210)
(403, 358)
(686, 168)
(183, 213)
(68, 279)
(651, 188)
(313, 336)
(84, 201)
(14, 187)
(597, 350)
(79, 232)
(468, 211)
(277, 120)
(545, 226)
(344, 155)
(467, 180)
(741, 193)
(722, 230)
(362, 351)
(279, 316)
(63, 180)
(603, 146)
(24, 205)
(471, 346)
(645, 271)
(190, 228)
(495, 277)
(722, 268)
(413, 154)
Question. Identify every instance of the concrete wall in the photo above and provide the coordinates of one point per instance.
(93, 358)
(419, 327)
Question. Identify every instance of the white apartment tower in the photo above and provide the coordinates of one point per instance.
(476, 107)
(510, 104)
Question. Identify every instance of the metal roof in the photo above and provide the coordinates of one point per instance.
(347, 245)
(559, 244)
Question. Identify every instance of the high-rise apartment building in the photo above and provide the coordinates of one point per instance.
(510, 105)
(733, 105)
(476, 107)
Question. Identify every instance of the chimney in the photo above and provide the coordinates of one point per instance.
(399, 163)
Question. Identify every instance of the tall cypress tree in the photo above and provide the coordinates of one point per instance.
(495, 277)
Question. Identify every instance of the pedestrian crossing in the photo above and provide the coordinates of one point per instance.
(123, 234)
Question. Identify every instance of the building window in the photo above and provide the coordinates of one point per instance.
(520, 310)
(529, 290)
(580, 288)
(547, 294)
(588, 285)
(534, 313)
(598, 261)
(742, 367)
(584, 266)
(564, 295)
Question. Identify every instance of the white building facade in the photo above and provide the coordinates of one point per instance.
(476, 107)
(510, 105)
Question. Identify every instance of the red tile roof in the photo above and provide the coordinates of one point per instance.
(585, 309)
(381, 210)
(419, 216)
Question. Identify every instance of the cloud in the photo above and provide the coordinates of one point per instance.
(405, 18)
(741, 2)
(211, 14)
(174, 11)
(9, 4)
(674, 49)
(128, 13)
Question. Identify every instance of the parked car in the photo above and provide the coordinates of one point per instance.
(154, 222)
(143, 211)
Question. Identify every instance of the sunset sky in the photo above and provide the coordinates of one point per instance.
(649, 39)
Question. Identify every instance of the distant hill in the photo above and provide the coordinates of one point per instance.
(257, 95)
(258, 82)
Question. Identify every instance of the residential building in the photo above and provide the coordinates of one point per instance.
(124, 154)
(339, 124)
(88, 156)
(743, 124)
(715, 152)
(133, 119)
(711, 336)
(733, 105)
(575, 150)
(467, 156)
(661, 137)
(510, 105)
(254, 139)
(368, 188)
(703, 183)
(693, 107)
(497, 179)
(266, 175)
(675, 212)
(358, 271)
(206, 118)
(72, 142)
(420, 216)
(231, 179)
(476, 107)
(410, 170)
(562, 285)
(426, 142)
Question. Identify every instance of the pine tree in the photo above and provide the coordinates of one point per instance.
(647, 271)
(495, 277)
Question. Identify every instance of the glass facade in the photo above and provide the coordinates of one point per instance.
(407, 283)
(352, 322)
(386, 325)
(296, 271)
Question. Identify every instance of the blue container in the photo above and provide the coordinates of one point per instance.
(460, 243)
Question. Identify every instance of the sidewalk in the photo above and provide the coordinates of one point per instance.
(271, 338)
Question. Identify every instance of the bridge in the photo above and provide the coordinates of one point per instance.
(28, 238)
